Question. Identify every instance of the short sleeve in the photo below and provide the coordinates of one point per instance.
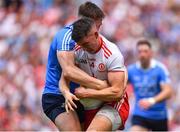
(116, 62)
(164, 75)
(64, 40)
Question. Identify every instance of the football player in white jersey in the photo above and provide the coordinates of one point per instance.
(106, 109)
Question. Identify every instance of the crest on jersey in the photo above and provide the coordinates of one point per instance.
(101, 67)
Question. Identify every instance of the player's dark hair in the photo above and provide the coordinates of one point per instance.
(81, 28)
(90, 10)
(144, 42)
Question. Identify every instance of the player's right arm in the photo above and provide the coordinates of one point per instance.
(70, 71)
(115, 92)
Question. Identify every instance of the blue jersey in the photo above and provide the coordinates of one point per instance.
(146, 83)
(61, 42)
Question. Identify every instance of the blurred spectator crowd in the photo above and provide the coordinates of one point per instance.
(28, 26)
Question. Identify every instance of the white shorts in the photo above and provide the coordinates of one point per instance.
(117, 112)
(112, 115)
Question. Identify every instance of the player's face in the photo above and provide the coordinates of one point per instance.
(90, 42)
(144, 54)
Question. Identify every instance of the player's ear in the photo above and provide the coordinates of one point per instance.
(96, 34)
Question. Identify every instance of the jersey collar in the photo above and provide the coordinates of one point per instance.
(153, 64)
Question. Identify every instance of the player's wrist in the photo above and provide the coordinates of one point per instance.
(103, 84)
(65, 93)
(151, 100)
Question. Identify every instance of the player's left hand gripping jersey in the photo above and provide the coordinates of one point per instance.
(107, 58)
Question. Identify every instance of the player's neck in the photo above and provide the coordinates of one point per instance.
(98, 46)
(145, 65)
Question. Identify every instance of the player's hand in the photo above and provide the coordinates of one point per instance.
(69, 104)
(146, 103)
(104, 84)
(80, 92)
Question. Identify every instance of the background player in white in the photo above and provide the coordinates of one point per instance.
(101, 59)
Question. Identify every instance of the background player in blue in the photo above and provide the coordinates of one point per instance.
(151, 83)
(61, 58)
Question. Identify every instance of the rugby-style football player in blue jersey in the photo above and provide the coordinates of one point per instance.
(151, 83)
(61, 61)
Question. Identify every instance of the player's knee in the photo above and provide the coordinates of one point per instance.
(91, 130)
(138, 128)
(67, 126)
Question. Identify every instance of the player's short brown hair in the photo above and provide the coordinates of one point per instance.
(144, 42)
(81, 28)
(90, 10)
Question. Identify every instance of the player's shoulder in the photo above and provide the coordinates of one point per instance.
(160, 66)
(77, 48)
(63, 39)
(110, 46)
(66, 31)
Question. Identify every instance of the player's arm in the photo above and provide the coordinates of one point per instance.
(70, 71)
(69, 97)
(166, 91)
(117, 78)
(112, 93)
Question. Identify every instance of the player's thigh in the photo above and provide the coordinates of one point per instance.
(89, 116)
(68, 121)
(100, 123)
(106, 119)
(138, 128)
(53, 107)
(122, 107)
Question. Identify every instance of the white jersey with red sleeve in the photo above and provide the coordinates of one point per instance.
(107, 58)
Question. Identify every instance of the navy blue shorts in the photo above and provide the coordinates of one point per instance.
(154, 125)
(53, 105)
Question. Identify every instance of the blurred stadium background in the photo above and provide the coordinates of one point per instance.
(27, 28)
